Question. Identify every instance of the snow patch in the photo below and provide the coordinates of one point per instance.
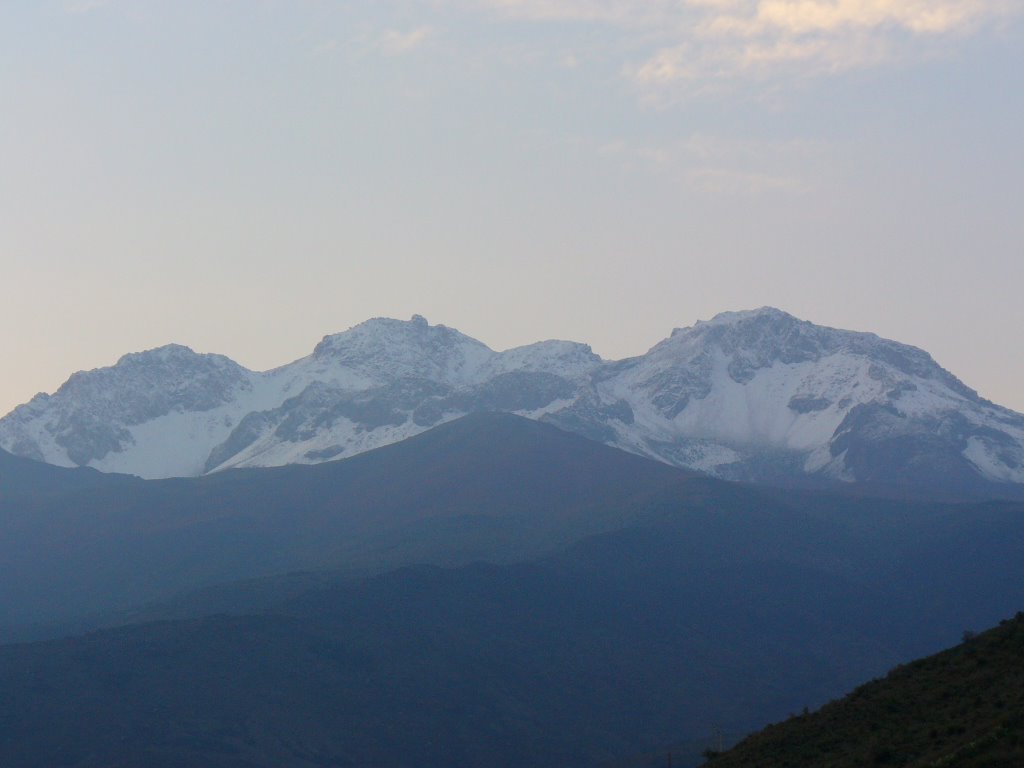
(983, 456)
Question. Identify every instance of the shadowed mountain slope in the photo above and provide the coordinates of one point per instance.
(490, 486)
(20, 476)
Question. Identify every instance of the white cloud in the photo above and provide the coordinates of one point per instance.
(802, 17)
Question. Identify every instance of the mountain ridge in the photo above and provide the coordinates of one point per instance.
(756, 395)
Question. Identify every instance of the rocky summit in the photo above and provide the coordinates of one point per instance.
(757, 395)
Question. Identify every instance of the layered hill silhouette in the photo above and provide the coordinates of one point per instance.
(604, 650)
(963, 707)
(556, 602)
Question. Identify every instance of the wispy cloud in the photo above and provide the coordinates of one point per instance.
(719, 166)
(85, 6)
(676, 42)
(627, 12)
(395, 42)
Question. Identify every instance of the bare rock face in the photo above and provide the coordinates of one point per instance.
(757, 395)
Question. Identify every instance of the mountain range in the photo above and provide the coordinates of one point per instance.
(410, 550)
(755, 396)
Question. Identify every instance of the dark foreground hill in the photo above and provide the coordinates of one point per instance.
(963, 707)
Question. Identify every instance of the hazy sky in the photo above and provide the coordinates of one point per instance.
(245, 176)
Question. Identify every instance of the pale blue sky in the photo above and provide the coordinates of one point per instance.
(245, 177)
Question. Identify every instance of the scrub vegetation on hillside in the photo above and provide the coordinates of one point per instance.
(963, 707)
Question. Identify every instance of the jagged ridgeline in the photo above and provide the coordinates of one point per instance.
(756, 395)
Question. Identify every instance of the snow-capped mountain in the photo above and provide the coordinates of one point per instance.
(753, 395)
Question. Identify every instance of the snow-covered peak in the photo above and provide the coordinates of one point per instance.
(89, 416)
(169, 353)
(767, 331)
(755, 339)
(384, 349)
(563, 358)
(187, 377)
(762, 314)
(757, 394)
